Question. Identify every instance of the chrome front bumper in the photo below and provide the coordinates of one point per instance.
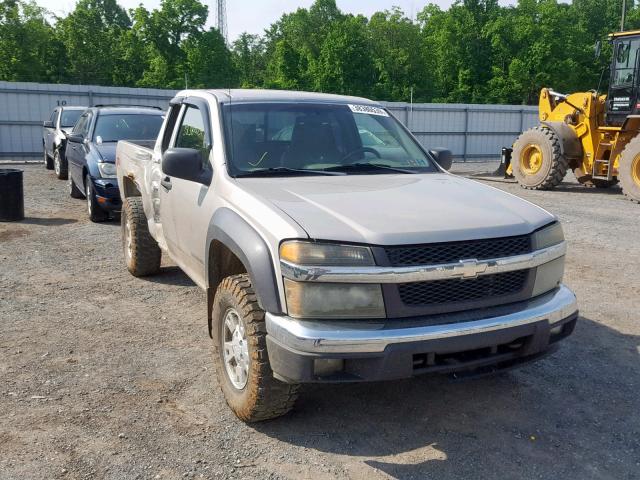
(363, 337)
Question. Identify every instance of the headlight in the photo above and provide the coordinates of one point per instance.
(548, 236)
(325, 254)
(107, 170)
(333, 300)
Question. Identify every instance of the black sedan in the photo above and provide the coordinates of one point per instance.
(91, 152)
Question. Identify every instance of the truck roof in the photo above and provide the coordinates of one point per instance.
(263, 95)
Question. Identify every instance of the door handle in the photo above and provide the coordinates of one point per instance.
(166, 183)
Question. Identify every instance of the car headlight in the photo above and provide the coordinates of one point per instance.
(333, 300)
(325, 254)
(330, 300)
(107, 170)
(548, 236)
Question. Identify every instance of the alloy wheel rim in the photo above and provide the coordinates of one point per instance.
(635, 170)
(531, 159)
(235, 349)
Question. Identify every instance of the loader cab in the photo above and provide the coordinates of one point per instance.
(623, 98)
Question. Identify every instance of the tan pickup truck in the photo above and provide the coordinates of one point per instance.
(333, 247)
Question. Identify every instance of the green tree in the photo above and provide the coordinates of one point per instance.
(209, 63)
(163, 31)
(345, 65)
(91, 35)
(250, 60)
(29, 50)
(397, 55)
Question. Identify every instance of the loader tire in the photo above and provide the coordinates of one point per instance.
(240, 355)
(141, 252)
(629, 170)
(537, 160)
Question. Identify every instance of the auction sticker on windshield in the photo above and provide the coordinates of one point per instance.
(368, 109)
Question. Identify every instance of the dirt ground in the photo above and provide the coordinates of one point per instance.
(103, 375)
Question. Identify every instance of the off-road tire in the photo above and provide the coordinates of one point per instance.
(74, 191)
(46, 159)
(628, 160)
(96, 213)
(144, 255)
(554, 164)
(60, 164)
(263, 397)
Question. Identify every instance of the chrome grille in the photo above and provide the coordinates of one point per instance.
(458, 290)
(434, 253)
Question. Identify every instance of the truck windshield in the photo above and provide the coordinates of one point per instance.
(111, 128)
(282, 138)
(69, 118)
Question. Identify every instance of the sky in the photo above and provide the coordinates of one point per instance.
(254, 16)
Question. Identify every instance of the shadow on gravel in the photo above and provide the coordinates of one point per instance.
(579, 403)
(575, 187)
(48, 221)
(171, 276)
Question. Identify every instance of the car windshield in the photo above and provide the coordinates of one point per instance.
(303, 138)
(137, 126)
(69, 118)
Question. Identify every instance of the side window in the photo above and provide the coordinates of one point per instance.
(79, 127)
(191, 134)
(86, 126)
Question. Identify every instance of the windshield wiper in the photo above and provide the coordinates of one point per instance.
(275, 171)
(363, 167)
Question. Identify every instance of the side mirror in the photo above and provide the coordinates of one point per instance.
(48, 124)
(185, 163)
(75, 137)
(443, 156)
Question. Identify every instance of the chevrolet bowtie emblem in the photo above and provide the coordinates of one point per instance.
(470, 268)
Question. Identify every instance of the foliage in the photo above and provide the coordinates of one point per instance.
(476, 51)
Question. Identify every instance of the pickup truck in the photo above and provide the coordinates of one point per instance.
(334, 248)
(54, 138)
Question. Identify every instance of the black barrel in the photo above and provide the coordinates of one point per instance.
(11, 195)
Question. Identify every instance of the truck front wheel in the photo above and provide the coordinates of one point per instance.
(240, 355)
(141, 251)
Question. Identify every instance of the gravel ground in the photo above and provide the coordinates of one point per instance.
(103, 375)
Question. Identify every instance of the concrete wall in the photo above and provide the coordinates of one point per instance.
(471, 132)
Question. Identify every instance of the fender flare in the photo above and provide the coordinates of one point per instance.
(570, 145)
(230, 229)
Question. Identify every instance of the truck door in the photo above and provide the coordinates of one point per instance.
(183, 200)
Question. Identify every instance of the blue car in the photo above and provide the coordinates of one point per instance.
(91, 152)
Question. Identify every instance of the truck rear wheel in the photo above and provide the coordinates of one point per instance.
(537, 160)
(48, 163)
(629, 170)
(60, 164)
(240, 355)
(141, 252)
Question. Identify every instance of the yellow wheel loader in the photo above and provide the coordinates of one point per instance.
(594, 135)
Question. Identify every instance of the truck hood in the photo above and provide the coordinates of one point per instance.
(107, 151)
(398, 209)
